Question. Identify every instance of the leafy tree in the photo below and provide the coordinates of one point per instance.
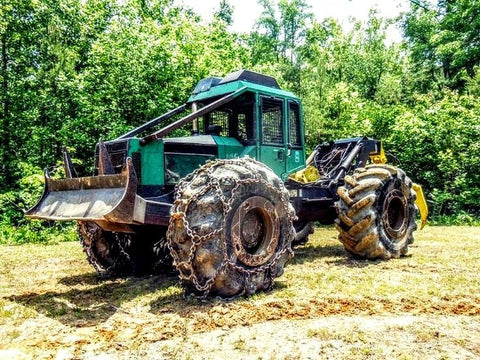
(44, 47)
(74, 71)
(16, 58)
(225, 12)
(437, 142)
(264, 41)
(443, 41)
(350, 82)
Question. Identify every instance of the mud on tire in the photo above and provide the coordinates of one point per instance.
(230, 229)
(376, 212)
(115, 254)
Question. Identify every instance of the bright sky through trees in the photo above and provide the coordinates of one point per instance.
(247, 11)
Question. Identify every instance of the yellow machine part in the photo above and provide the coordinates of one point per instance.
(380, 158)
(421, 203)
(307, 175)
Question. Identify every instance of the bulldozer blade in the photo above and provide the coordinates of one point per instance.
(109, 198)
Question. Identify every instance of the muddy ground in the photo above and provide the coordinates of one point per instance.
(326, 305)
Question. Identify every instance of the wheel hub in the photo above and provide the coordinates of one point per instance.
(395, 214)
(255, 231)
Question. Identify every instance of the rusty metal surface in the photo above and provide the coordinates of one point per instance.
(109, 197)
(255, 231)
(70, 171)
(87, 204)
(105, 166)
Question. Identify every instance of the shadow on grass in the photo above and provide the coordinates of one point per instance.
(92, 300)
(335, 255)
(308, 253)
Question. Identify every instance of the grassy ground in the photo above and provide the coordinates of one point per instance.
(326, 305)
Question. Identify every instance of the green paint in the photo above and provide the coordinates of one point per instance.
(250, 151)
(180, 165)
(275, 158)
(152, 161)
(224, 89)
(228, 148)
(158, 168)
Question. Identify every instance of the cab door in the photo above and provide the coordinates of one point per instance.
(295, 144)
(273, 144)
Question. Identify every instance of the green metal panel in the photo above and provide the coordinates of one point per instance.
(228, 148)
(274, 158)
(250, 151)
(295, 160)
(152, 161)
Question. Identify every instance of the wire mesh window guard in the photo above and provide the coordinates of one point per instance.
(294, 123)
(235, 119)
(272, 124)
(218, 123)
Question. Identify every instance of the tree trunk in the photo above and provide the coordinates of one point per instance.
(4, 116)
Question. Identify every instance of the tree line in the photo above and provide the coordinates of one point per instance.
(75, 71)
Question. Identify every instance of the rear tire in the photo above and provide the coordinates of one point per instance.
(115, 254)
(376, 212)
(109, 253)
(230, 229)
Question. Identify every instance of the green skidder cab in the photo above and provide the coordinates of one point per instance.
(224, 203)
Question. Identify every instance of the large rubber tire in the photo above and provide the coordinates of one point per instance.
(376, 212)
(230, 229)
(115, 254)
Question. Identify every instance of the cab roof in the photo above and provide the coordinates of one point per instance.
(213, 87)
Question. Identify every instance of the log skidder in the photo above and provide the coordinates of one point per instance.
(376, 212)
(225, 203)
(231, 228)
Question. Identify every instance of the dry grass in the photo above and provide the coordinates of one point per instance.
(325, 305)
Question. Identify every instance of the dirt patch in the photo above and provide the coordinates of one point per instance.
(326, 305)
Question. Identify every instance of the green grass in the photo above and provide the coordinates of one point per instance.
(37, 232)
(443, 262)
(50, 294)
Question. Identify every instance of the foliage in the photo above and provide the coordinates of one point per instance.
(437, 140)
(72, 72)
(443, 41)
(14, 228)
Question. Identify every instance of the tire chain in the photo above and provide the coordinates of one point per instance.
(86, 230)
(213, 183)
(121, 243)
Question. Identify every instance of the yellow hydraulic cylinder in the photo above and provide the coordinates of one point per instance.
(421, 203)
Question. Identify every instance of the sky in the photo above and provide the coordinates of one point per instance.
(247, 11)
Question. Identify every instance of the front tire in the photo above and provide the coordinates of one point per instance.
(376, 212)
(230, 229)
(114, 254)
(109, 253)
